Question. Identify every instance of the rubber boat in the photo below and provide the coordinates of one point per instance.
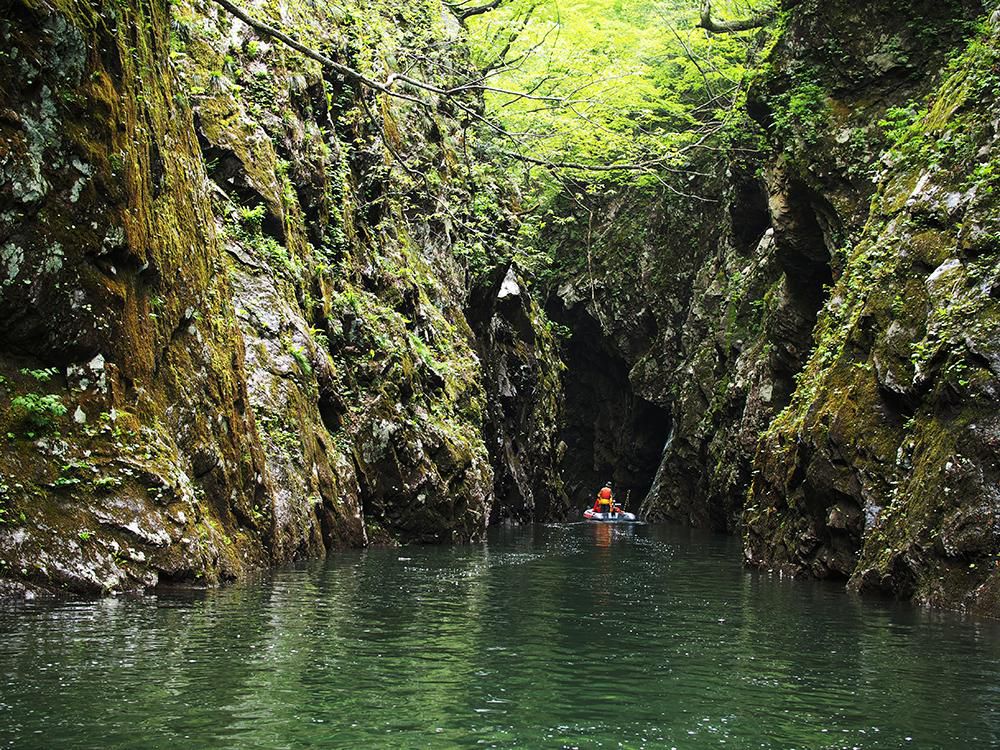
(621, 517)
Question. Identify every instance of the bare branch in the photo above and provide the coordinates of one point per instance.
(692, 57)
(454, 95)
(728, 27)
(263, 28)
(512, 36)
(462, 12)
(642, 166)
(348, 72)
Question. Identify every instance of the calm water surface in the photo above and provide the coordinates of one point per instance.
(546, 637)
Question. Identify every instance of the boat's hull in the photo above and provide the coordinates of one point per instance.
(591, 515)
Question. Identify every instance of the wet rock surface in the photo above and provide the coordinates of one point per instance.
(726, 314)
(227, 344)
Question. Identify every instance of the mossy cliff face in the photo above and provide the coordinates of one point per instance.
(833, 295)
(830, 339)
(355, 341)
(782, 221)
(883, 469)
(229, 341)
(140, 459)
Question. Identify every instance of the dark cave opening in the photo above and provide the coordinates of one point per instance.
(749, 214)
(805, 235)
(610, 432)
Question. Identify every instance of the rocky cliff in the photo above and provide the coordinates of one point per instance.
(826, 284)
(234, 292)
(883, 468)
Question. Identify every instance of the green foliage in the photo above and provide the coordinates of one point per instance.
(252, 216)
(42, 376)
(249, 230)
(801, 114)
(281, 434)
(38, 411)
(897, 123)
(639, 78)
(107, 483)
(299, 355)
(940, 129)
(611, 82)
(321, 338)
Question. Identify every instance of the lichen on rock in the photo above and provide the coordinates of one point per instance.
(230, 342)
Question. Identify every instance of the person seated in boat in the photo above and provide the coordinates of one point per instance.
(605, 500)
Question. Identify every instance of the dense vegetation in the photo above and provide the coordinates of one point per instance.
(633, 89)
(607, 82)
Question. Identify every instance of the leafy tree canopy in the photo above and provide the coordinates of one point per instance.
(610, 81)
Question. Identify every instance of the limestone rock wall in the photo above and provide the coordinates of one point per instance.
(234, 326)
(883, 469)
(814, 318)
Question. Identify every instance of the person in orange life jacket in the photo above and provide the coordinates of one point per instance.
(605, 502)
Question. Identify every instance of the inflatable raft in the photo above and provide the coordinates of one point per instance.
(621, 517)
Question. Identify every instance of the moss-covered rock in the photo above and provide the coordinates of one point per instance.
(882, 467)
(235, 330)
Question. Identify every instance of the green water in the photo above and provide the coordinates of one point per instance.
(546, 637)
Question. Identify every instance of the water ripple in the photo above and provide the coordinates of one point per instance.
(559, 636)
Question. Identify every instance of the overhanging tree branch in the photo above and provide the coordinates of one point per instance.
(453, 94)
(512, 36)
(462, 12)
(728, 27)
(384, 87)
(347, 72)
(642, 166)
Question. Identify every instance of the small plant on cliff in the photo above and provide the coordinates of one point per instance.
(4, 502)
(251, 217)
(898, 122)
(801, 114)
(42, 376)
(319, 335)
(69, 473)
(38, 411)
(106, 484)
(250, 231)
(299, 355)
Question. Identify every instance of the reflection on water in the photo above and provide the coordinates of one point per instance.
(566, 636)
